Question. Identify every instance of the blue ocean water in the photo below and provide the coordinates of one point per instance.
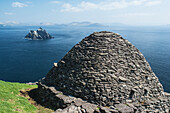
(25, 60)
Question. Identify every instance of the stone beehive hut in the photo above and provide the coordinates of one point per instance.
(104, 69)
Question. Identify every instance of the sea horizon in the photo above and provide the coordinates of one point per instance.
(29, 61)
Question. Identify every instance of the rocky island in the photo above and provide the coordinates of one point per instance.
(39, 34)
(104, 73)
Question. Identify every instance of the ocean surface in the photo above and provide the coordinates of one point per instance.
(26, 60)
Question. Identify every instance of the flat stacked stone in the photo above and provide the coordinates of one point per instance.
(107, 70)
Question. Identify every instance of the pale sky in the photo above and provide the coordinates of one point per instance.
(132, 12)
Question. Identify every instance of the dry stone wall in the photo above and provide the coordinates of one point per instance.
(106, 69)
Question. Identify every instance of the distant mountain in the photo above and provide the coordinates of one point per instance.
(86, 23)
(79, 23)
(47, 24)
(95, 25)
(83, 24)
(2, 25)
(115, 24)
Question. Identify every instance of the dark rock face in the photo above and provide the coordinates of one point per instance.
(107, 70)
(40, 34)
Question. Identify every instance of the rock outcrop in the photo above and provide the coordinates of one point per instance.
(105, 69)
(39, 34)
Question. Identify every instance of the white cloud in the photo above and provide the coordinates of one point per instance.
(69, 7)
(107, 5)
(151, 3)
(8, 13)
(19, 4)
(55, 2)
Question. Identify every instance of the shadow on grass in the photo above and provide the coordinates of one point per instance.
(34, 94)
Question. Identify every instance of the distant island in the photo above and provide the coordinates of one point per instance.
(39, 34)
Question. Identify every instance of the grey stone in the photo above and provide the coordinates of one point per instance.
(124, 108)
(55, 64)
(103, 54)
(122, 79)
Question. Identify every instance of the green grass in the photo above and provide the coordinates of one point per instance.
(11, 100)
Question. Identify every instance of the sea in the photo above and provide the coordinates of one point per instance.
(30, 60)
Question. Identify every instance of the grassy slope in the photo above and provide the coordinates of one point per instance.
(11, 100)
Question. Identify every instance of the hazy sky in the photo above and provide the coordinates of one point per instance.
(133, 12)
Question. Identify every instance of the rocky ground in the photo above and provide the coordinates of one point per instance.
(61, 103)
